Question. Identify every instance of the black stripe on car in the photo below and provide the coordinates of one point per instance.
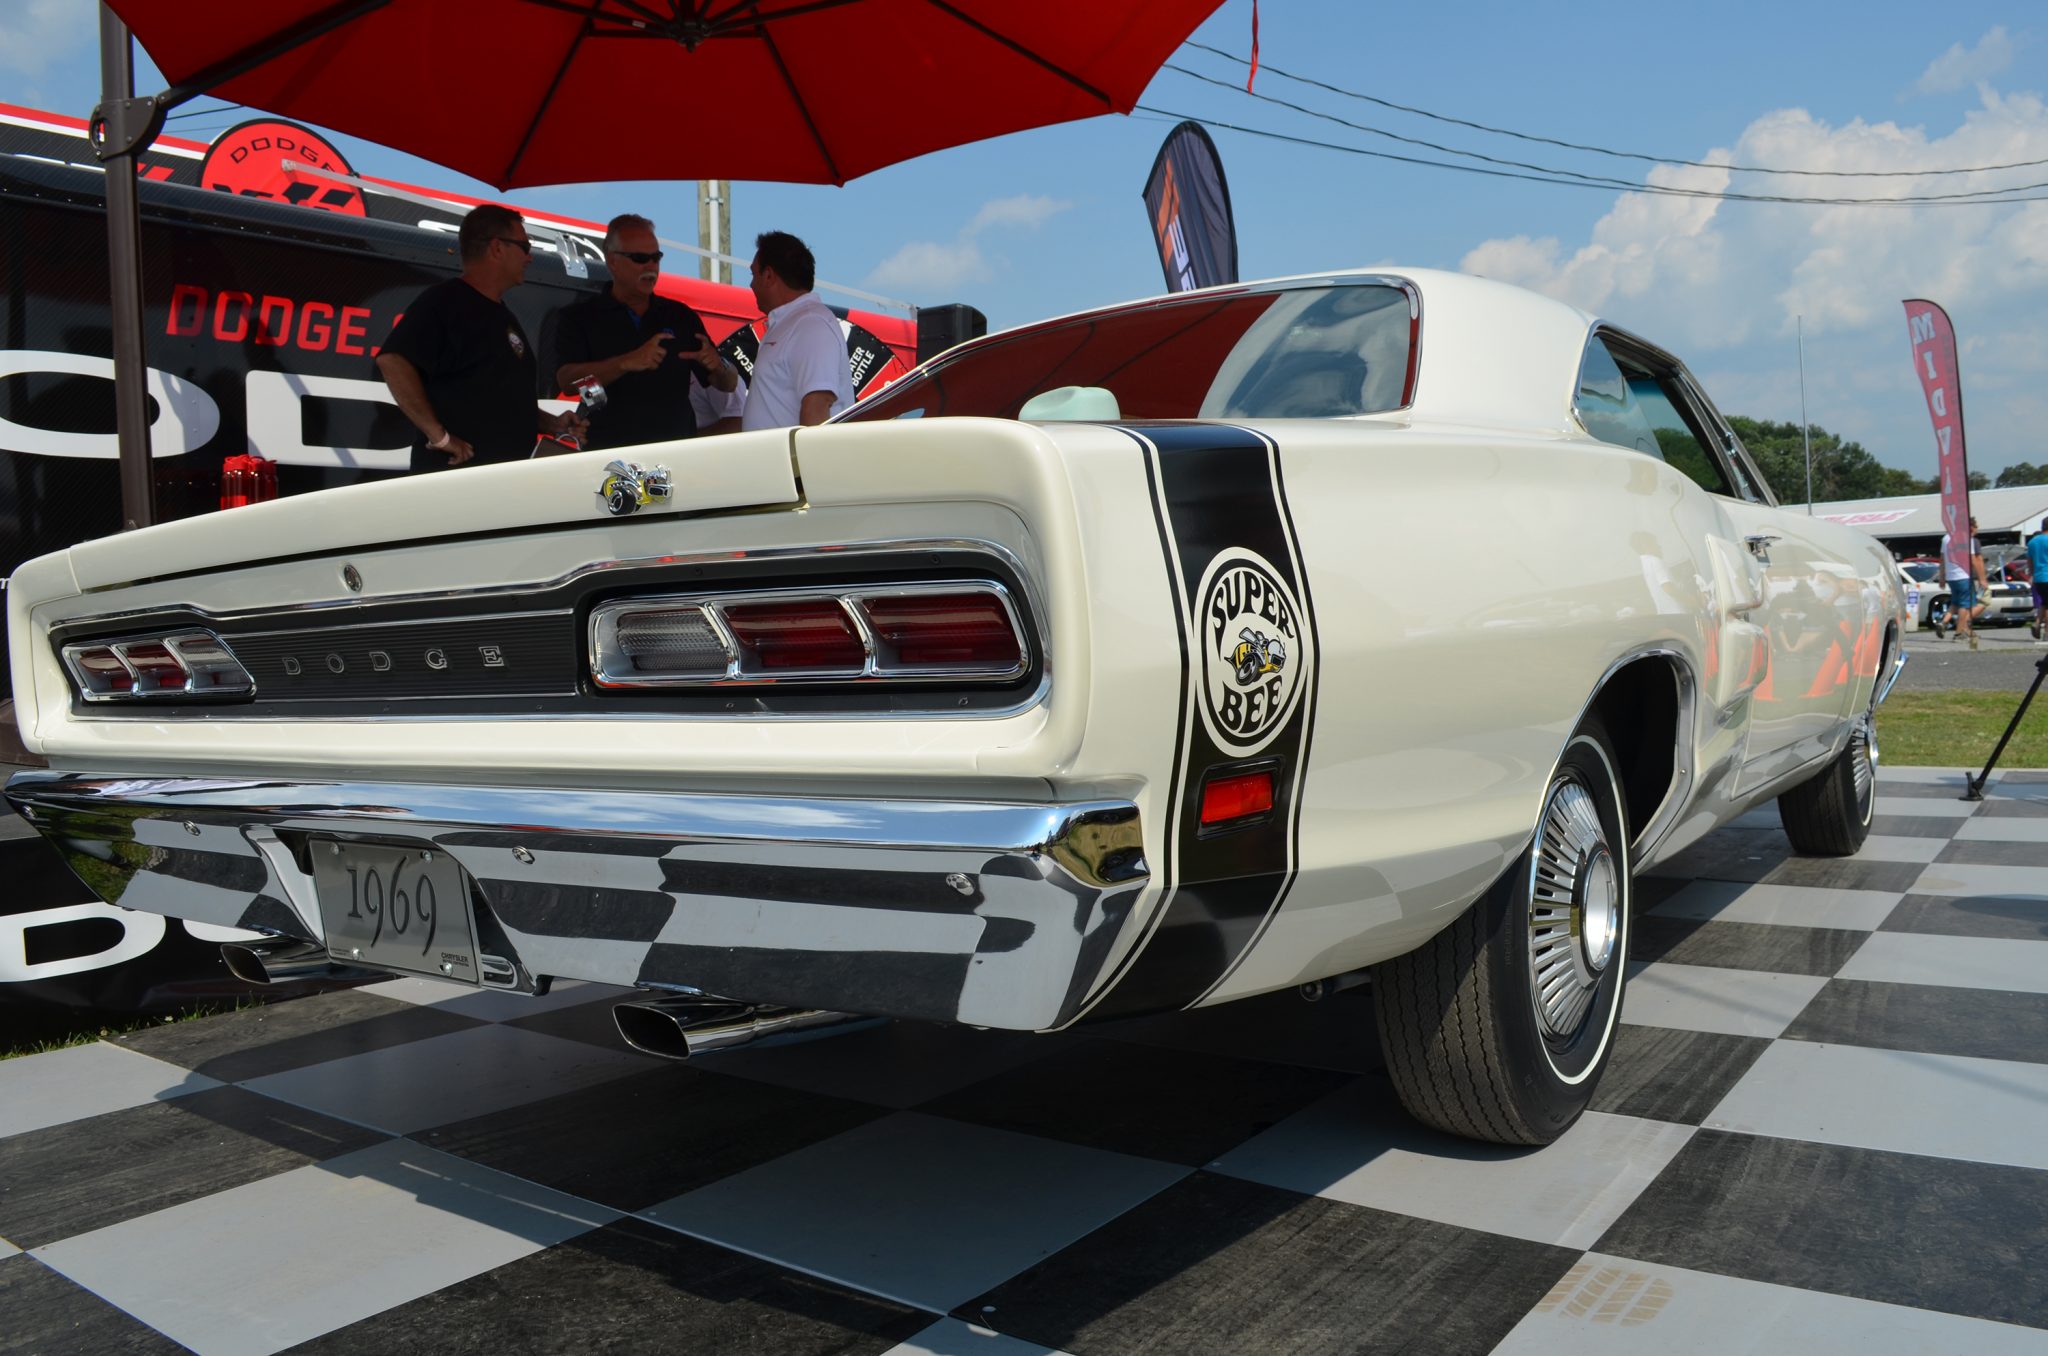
(1248, 677)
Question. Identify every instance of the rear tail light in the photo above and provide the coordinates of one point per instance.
(182, 664)
(955, 631)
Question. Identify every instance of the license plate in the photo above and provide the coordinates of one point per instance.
(392, 907)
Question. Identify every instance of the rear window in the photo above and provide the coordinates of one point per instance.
(1302, 353)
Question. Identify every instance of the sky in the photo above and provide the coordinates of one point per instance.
(1050, 221)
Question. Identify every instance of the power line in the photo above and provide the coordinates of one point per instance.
(1599, 150)
(1662, 190)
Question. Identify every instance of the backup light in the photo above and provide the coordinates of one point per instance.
(156, 668)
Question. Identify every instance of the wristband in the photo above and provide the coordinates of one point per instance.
(440, 444)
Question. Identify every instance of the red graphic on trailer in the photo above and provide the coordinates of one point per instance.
(249, 161)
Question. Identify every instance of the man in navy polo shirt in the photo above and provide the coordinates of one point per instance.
(646, 351)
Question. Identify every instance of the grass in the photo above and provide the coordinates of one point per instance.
(1959, 728)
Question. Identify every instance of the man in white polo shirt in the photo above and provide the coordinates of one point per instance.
(801, 374)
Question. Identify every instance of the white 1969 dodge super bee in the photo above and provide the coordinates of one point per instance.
(1144, 659)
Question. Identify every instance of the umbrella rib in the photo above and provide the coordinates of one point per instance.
(540, 109)
(796, 95)
(1021, 50)
(271, 47)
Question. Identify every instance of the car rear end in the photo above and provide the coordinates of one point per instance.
(827, 728)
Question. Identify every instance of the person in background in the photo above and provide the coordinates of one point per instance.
(1967, 588)
(2037, 566)
(458, 363)
(801, 374)
(651, 354)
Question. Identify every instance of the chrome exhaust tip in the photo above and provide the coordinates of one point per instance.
(677, 1028)
(281, 962)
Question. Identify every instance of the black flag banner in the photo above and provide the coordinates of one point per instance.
(1189, 203)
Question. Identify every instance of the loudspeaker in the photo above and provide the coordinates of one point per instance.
(941, 327)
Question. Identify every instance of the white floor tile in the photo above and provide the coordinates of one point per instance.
(1611, 1306)
(7, 1249)
(1962, 878)
(1960, 962)
(1353, 1147)
(1703, 998)
(490, 1005)
(951, 1337)
(1886, 847)
(1949, 1106)
(276, 1262)
(85, 1080)
(1789, 905)
(448, 1078)
(2002, 830)
(1924, 807)
(923, 1210)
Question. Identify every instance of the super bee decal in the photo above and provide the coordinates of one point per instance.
(1254, 650)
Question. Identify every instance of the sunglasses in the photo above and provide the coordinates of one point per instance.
(526, 245)
(640, 256)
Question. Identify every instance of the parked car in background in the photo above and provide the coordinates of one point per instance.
(2010, 599)
(1067, 679)
(1927, 595)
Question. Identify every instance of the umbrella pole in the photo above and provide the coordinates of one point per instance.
(118, 114)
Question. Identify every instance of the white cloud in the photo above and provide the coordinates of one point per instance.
(929, 268)
(1727, 283)
(1961, 67)
(34, 33)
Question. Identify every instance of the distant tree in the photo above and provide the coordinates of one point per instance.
(2022, 473)
(1841, 470)
(1932, 485)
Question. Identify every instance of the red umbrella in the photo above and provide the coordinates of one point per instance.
(517, 92)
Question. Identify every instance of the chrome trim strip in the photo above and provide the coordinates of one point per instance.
(990, 913)
(1891, 680)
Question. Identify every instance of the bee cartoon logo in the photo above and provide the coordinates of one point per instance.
(1255, 650)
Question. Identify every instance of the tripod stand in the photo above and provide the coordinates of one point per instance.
(1974, 788)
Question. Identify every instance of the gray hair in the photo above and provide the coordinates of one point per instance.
(624, 221)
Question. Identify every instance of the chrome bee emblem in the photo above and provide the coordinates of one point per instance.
(628, 487)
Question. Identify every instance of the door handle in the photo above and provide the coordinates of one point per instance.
(1759, 544)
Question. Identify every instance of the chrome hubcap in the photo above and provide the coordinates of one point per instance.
(1863, 764)
(1575, 903)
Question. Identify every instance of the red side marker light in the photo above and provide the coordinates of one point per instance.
(1239, 797)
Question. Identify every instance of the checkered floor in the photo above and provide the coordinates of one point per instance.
(1825, 1130)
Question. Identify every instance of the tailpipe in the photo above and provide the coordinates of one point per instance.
(677, 1028)
(282, 962)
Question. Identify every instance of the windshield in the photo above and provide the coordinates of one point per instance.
(1300, 353)
(1922, 572)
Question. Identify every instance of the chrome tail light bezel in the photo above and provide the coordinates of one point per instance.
(608, 673)
(187, 646)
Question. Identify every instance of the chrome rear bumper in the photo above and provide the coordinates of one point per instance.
(993, 914)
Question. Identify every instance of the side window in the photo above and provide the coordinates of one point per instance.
(1626, 401)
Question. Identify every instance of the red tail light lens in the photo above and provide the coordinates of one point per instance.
(943, 632)
(181, 664)
(156, 668)
(1227, 799)
(808, 636)
(100, 671)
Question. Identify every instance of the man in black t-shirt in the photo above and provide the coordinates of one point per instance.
(458, 362)
(646, 351)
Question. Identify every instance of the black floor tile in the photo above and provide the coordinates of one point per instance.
(1743, 946)
(2016, 918)
(2022, 776)
(45, 1314)
(1650, 891)
(257, 1041)
(635, 1141)
(635, 1287)
(82, 1175)
(1948, 790)
(1988, 852)
(591, 1023)
(1218, 1265)
(1915, 826)
(2013, 809)
(1679, 1076)
(1335, 1032)
(1845, 873)
(1730, 854)
(1930, 1233)
(1175, 1105)
(1928, 1018)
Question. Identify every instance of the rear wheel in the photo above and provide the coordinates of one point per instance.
(1937, 613)
(1829, 816)
(1498, 1028)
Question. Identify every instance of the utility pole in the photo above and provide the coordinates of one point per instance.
(714, 227)
(121, 129)
(1805, 429)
